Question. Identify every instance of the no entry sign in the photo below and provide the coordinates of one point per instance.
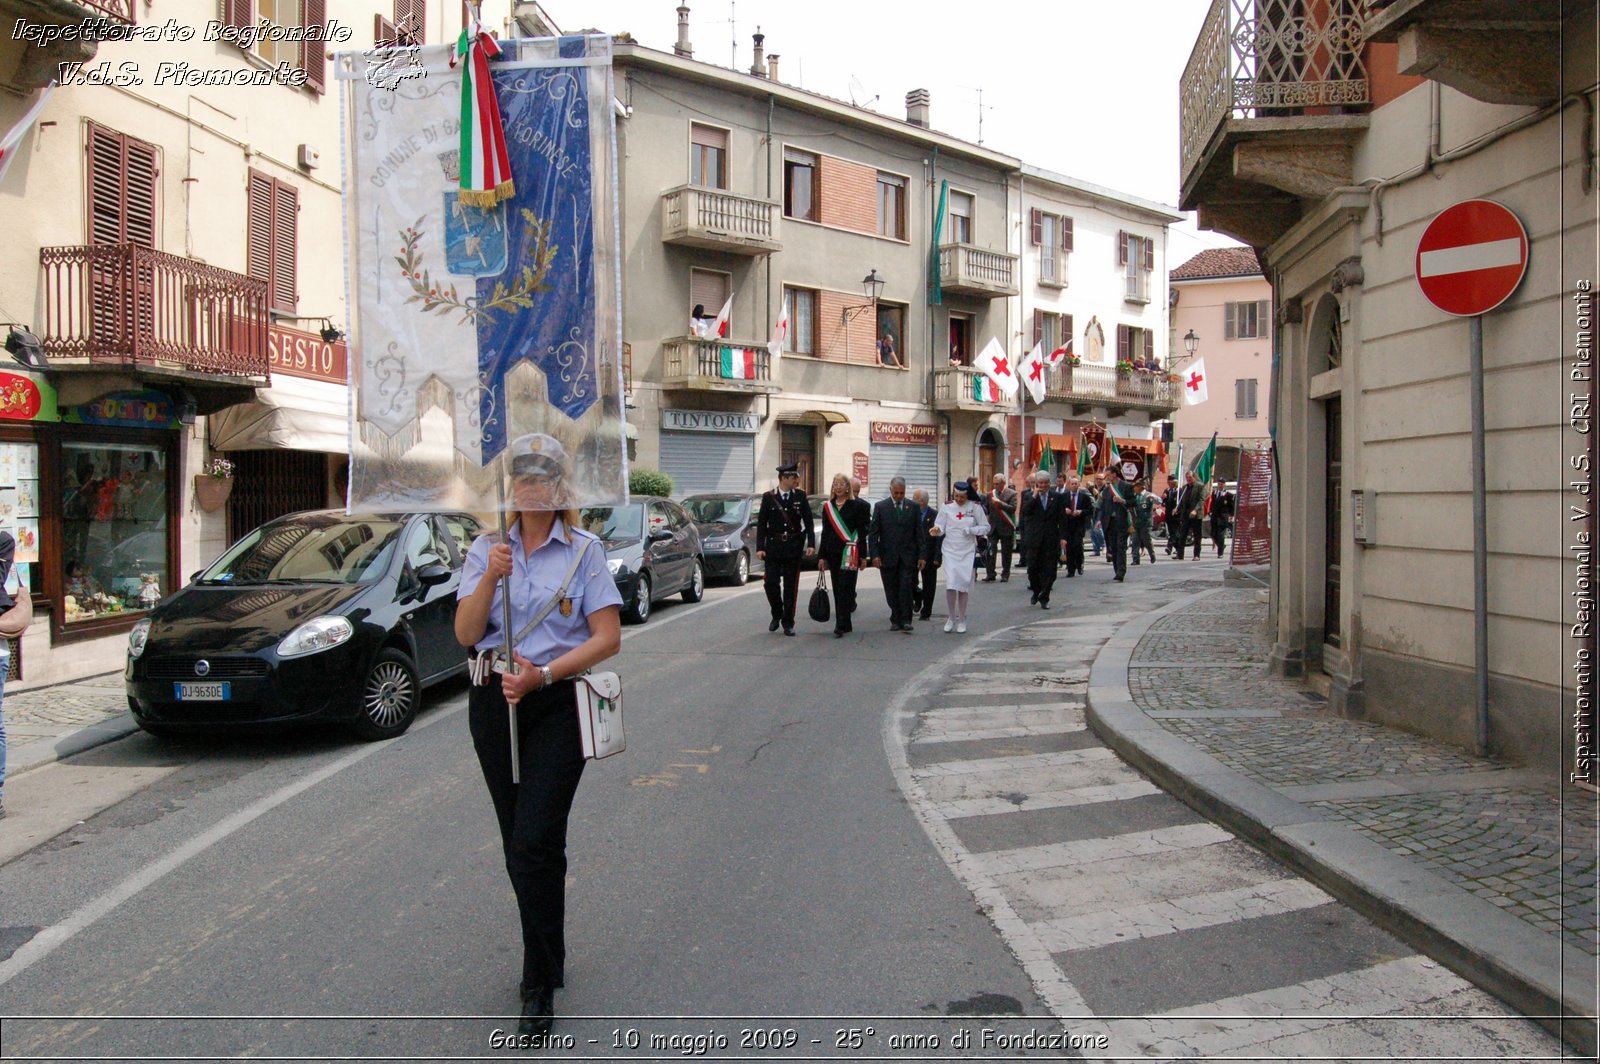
(1472, 257)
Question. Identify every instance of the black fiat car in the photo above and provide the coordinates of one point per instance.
(318, 616)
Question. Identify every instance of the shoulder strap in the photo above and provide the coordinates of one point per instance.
(837, 522)
(561, 593)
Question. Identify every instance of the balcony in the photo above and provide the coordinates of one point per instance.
(26, 64)
(124, 307)
(1271, 103)
(1086, 387)
(1497, 51)
(714, 220)
(965, 270)
(962, 388)
(737, 366)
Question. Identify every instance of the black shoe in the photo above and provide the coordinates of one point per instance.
(988, 579)
(908, 630)
(773, 627)
(925, 616)
(838, 634)
(1118, 577)
(1044, 605)
(788, 630)
(1006, 579)
(538, 1011)
(1034, 599)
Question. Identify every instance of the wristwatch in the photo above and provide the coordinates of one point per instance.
(544, 670)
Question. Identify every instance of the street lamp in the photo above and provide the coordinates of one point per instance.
(872, 288)
(1191, 342)
(25, 347)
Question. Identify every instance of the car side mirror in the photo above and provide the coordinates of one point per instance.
(433, 574)
(660, 534)
(197, 574)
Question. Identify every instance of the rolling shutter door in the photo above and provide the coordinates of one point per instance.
(919, 465)
(708, 461)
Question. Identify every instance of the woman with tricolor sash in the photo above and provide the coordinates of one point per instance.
(844, 523)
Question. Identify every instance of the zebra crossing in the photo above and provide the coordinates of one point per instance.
(1138, 920)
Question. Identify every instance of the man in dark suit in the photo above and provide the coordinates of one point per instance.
(1116, 517)
(932, 559)
(1191, 510)
(898, 546)
(1043, 537)
(1077, 512)
(1169, 499)
(784, 535)
(1220, 511)
(1003, 519)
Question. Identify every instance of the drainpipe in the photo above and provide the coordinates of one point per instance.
(772, 102)
(949, 458)
(933, 264)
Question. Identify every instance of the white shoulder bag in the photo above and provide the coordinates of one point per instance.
(600, 714)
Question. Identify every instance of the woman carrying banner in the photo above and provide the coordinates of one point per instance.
(565, 606)
(959, 525)
(844, 522)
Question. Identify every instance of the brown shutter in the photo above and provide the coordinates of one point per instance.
(236, 13)
(1122, 248)
(384, 31)
(105, 186)
(1038, 325)
(411, 21)
(258, 227)
(1124, 341)
(285, 244)
(312, 59)
(1066, 233)
(1149, 253)
(1066, 330)
(143, 177)
(1037, 227)
(1150, 344)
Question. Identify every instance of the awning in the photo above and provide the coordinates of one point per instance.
(829, 418)
(295, 414)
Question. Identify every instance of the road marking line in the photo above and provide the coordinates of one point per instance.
(1112, 792)
(1091, 930)
(1082, 852)
(1011, 731)
(1016, 763)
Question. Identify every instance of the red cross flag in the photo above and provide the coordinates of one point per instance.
(1472, 257)
(996, 365)
(1194, 383)
(1032, 370)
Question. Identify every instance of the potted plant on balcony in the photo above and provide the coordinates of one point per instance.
(213, 484)
(1124, 367)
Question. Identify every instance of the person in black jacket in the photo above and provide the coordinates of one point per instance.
(1043, 537)
(1077, 512)
(1169, 499)
(1191, 504)
(1116, 516)
(1221, 513)
(783, 536)
(933, 558)
(898, 547)
(842, 548)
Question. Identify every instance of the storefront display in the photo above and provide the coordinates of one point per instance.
(114, 527)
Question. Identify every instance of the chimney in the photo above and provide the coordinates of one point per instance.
(758, 64)
(772, 67)
(917, 101)
(683, 47)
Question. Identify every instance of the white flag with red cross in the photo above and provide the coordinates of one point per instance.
(996, 365)
(1032, 371)
(1194, 382)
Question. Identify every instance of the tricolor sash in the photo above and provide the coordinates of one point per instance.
(851, 558)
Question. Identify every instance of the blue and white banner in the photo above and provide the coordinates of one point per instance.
(471, 326)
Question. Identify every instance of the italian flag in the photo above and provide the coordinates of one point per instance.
(985, 390)
(739, 363)
(485, 165)
(1113, 454)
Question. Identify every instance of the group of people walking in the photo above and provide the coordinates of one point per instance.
(909, 540)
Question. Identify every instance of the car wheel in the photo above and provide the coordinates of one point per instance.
(741, 572)
(639, 610)
(697, 583)
(389, 696)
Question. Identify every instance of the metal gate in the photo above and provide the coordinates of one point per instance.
(919, 465)
(708, 461)
(269, 484)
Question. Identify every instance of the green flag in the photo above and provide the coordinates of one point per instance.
(1208, 461)
(935, 282)
(1047, 459)
(1083, 453)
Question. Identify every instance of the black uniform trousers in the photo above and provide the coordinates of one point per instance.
(1117, 545)
(533, 814)
(899, 584)
(844, 596)
(1075, 545)
(782, 583)
(1173, 524)
(1003, 546)
(1189, 532)
(1042, 562)
(927, 581)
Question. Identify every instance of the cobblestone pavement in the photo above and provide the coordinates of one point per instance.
(1520, 846)
(83, 702)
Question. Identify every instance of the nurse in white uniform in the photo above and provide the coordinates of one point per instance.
(960, 523)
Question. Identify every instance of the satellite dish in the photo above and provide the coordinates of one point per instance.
(858, 93)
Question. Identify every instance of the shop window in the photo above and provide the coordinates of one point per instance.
(113, 529)
(19, 509)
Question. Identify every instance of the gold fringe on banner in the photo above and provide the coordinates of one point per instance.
(473, 197)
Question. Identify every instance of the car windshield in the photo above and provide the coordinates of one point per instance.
(309, 550)
(614, 522)
(708, 511)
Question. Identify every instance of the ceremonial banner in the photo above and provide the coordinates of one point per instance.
(1252, 521)
(474, 325)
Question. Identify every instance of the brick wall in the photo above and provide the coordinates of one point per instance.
(849, 195)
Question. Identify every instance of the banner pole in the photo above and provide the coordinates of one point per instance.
(505, 614)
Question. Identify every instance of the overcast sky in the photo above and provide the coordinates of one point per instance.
(1082, 87)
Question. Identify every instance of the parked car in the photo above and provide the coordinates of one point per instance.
(653, 551)
(314, 616)
(726, 522)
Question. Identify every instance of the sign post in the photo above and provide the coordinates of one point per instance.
(1470, 259)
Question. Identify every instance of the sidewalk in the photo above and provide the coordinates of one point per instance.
(46, 724)
(1458, 855)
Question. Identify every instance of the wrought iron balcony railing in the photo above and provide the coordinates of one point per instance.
(1106, 386)
(1272, 59)
(120, 10)
(126, 305)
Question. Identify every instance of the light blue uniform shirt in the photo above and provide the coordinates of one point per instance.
(535, 578)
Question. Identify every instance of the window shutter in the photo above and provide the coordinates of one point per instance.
(1124, 341)
(1264, 317)
(141, 203)
(1038, 325)
(105, 186)
(1150, 344)
(1230, 330)
(1037, 228)
(285, 244)
(258, 228)
(312, 59)
(411, 19)
(709, 290)
(1240, 391)
(1122, 248)
(1066, 233)
(1149, 253)
(1066, 330)
(384, 32)
(236, 13)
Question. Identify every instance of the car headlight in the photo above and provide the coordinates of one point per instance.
(616, 565)
(718, 544)
(316, 635)
(138, 638)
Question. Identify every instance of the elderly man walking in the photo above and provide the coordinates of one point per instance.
(897, 544)
(1044, 537)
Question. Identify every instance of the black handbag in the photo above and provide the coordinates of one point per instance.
(819, 608)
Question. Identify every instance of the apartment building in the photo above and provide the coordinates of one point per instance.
(1328, 137)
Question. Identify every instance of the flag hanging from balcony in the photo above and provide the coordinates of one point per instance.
(719, 328)
(935, 281)
(1194, 383)
(780, 333)
(996, 366)
(485, 162)
(1032, 371)
(1058, 355)
(984, 390)
(739, 363)
(472, 326)
(8, 143)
